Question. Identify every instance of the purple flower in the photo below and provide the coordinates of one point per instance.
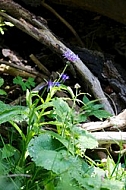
(52, 84)
(64, 77)
(70, 55)
(56, 83)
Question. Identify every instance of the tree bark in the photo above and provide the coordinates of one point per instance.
(29, 24)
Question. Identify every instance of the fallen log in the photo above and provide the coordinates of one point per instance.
(36, 28)
(110, 137)
(113, 123)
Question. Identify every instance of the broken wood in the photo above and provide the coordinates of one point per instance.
(113, 123)
(110, 137)
(34, 27)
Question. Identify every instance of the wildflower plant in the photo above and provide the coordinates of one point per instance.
(52, 146)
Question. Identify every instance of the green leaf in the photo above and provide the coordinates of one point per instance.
(18, 80)
(84, 140)
(80, 118)
(85, 99)
(97, 106)
(2, 92)
(51, 155)
(67, 182)
(99, 183)
(101, 114)
(30, 82)
(8, 151)
(61, 107)
(1, 81)
(8, 23)
(62, 140)
(24, 85)
(8, 112)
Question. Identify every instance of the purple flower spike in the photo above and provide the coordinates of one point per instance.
(52, 84)
(70, 56)
(64, 77)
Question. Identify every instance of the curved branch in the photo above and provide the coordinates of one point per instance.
(42, 34)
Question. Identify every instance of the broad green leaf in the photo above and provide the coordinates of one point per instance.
(8, 151)
(84, 139)
(66, 182)
(85, 99)
(99, 183)
(60, 105)
(51, 155)
(87, 142)
(61, 108)
(8, 112)
(2, 92)
(101, 114)
(80, 118)
(44, 141)
(62, 140)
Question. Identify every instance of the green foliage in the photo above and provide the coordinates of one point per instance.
(7, 151)
(2, 92)
(74, 172)
(8, 112)
(24, 85)
(93, 109)
(3, 25)
(53, 159)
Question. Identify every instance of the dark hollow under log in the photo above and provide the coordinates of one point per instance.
(115, 10)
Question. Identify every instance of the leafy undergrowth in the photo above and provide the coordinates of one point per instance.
(46, 149)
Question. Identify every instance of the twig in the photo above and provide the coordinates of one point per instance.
(14, 72)
(39, 64)
(64, 22)
(45, 37)
(23, 69)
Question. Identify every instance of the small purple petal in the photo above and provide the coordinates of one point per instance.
(52, 84)
(70, 56)
(64, 77)
(56, 83)
(49, 84)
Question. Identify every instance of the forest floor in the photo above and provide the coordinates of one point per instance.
(96, 32)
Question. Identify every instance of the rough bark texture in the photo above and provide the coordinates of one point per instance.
(30, 24)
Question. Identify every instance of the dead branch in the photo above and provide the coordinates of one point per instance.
(116, 122)
(41, 33)
(31, 72)
(40, 65)
(110, 137)
(4, 68)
